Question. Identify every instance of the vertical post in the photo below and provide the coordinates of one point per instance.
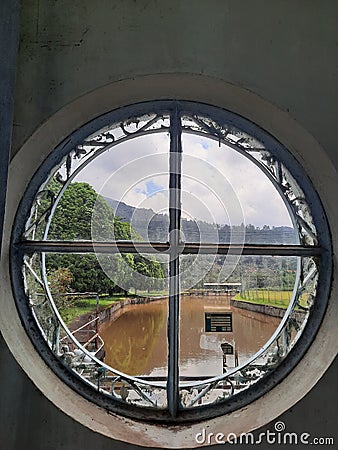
(175, 162)
(97, 321)
(57, 344)
(9, 41)
(224, 363)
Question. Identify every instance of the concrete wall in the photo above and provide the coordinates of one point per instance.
(285, 52)
(273, 311)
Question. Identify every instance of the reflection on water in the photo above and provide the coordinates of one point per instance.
(201, 353)
(136, 342)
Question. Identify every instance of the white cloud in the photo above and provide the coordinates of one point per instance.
(218, 183)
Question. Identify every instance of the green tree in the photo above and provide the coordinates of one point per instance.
(60, 281)
(80, 214)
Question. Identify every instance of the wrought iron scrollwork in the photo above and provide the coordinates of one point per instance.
(79, 156)
(40, 213)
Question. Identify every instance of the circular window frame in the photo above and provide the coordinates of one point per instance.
(314, 330)
(267, 382)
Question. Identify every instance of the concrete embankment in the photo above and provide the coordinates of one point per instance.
(114, 311)
(265, 309)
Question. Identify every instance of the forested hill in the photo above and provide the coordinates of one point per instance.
(154, 227)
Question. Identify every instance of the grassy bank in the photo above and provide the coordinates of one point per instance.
(149, 294)
(88, 305)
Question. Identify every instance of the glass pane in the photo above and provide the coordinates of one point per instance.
(226, 198)
(231, 311)
(118, 194)
(244, 374)
(97, 327)
(239, 329)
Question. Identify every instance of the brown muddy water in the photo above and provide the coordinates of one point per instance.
(136, 342)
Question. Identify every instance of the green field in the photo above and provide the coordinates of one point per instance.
(279, 299)
(268, 297)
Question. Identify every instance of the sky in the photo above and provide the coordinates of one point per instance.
(219, 185)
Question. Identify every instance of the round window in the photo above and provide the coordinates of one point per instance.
(171, 261)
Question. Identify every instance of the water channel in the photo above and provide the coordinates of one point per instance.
(136, 341)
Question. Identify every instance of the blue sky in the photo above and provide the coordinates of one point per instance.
(151, 189)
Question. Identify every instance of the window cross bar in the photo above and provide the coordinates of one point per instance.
(165, 247)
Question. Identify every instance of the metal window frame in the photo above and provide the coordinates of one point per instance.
(174, 248)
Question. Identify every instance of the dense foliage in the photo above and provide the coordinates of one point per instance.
(81, 212)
